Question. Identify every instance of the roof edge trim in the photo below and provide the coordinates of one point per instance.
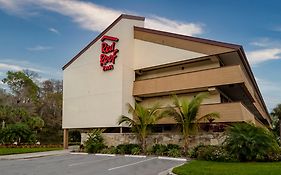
(190, 38)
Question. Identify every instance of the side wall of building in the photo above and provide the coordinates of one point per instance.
(96, 98)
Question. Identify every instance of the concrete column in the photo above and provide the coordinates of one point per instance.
(65, 138)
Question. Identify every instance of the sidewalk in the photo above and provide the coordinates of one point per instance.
(33, 155)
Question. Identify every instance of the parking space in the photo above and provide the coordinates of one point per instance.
(70, 164)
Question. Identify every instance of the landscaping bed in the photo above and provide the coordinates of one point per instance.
(197, 167)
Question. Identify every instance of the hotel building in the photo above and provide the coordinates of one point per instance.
(129, 63)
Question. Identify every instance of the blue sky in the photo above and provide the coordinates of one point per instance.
(43, 35)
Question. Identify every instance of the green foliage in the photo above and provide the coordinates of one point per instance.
(221, 168)
(144, 118)
(246, 142)
(19, 133)
(22, 85)
(136, 150)
(50, 110)
(213, 153)
(173, 146)
(127, 148)
(276, 118)
(185, 114)
(94, 143)
(159, 149)
(39, 105)
(110, 150)
(193, 153)
(172, 150)
(35, 123)
(13, 114)
(269, 157)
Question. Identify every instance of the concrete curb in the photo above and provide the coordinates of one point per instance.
(171, 169)
(79, 153)
(137, 156)
(172, 158)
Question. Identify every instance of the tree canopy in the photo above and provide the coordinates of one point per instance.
(37, 105)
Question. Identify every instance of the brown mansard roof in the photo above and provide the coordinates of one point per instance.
(238, 48)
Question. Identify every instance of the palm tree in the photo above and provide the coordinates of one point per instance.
(276, 112)
(185, 114)
(143, 119)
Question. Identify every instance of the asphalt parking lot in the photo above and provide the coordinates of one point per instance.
(69, 164)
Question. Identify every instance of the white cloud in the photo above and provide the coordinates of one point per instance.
(165, 24)
(39, 48)
(270, 91)
(95, 17)
(265, 49)
(13, 67)
(54, 30)
(266, 43)
(261, 55)
(18, 65)
(15, 7)
(11, 6)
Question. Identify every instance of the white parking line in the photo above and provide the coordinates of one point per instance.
(131, 164)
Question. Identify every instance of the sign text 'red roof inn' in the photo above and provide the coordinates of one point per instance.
(109, 53)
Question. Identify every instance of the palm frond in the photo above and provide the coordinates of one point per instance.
(209, 116)
(131, 109)
(128, 121)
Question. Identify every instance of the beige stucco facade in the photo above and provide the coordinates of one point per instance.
(152, 65)
(93, 97)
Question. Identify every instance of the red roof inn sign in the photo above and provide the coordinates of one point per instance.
(109, 53)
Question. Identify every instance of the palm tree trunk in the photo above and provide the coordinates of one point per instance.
(143, 145)
(185, 144)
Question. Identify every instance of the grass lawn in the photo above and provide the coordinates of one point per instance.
(6, 151)
(220, 168)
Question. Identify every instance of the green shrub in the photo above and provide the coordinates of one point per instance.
(213, 153)
(269, 157)
(173, 146)
(247, 142)
(136, 151)
(18, 132)
(193, 153)
(149, 150)
(127, 148)
(159, 149)
(94, 144)
(174, 152)
(110, 150)
(121, 149)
